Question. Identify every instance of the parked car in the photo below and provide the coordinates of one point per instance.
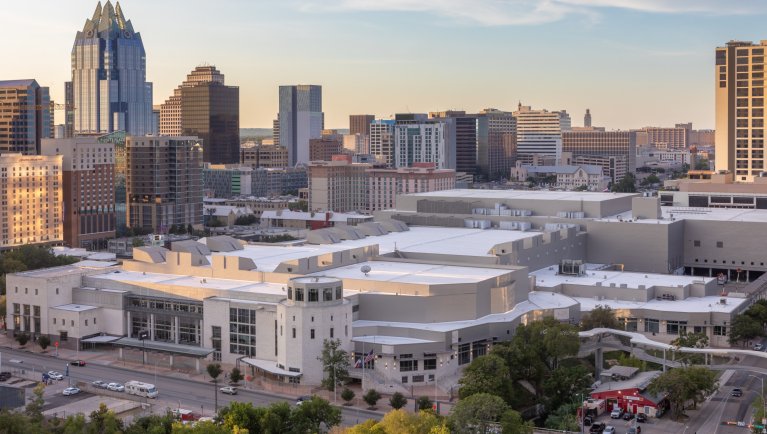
(634, 430)
(609, 430)
(56, 375)
(99, 384)
(641, 417)
(77, 363)
(737, 392)
(628, 416)
(758, 347)
(616, 413)
(5, 376)
(303, 398)
(71, 391)
(116, 387)
(229, 390)
(587, 421)
(597, 428)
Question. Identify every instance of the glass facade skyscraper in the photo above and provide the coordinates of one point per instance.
(109, 87)
(301, 119)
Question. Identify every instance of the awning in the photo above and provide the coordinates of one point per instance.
(164, 347)
(270, 366)
(101, 339)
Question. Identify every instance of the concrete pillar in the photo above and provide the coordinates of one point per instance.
(177, 332)
(199, 332)
(197, 364)
(151, 326)
(598, 361)
(747, 277)
(664, 360)
(710, 272)
(120, 351)
(129, 325)
(171, 361)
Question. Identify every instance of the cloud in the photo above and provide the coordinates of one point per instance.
(533, 12)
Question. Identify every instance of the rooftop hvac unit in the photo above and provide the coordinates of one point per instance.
(571, 267)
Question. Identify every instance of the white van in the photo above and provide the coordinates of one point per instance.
(141, 389)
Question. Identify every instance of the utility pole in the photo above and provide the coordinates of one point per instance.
(764, 405)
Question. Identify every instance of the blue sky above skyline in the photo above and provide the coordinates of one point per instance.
(632, 62)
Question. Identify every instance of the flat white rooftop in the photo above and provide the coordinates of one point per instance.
(688, 305)
(413, 273)
(139, 278)
(686, 213)
(75, 307)
(535, 301)
(433, 240)
(526, 195)
(64, 270)
(548, 278)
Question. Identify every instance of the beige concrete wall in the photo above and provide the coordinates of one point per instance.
(642, 247)
(743, 243)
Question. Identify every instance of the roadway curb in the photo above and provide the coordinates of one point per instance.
(261, 392)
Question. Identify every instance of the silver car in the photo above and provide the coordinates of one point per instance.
(56, 375)
(116, 387)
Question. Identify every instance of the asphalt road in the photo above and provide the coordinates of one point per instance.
(189, 394)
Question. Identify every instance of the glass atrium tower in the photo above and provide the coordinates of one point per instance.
(109, 88)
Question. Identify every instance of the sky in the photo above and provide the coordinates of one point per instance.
(634, 63)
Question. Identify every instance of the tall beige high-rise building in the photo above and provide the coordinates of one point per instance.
(31, 209)
(170, 111)
(338, 185)
(739, 90)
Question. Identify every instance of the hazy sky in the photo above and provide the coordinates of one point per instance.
(632, 62)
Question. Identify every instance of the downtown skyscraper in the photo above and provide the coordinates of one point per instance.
(109, 87)
(300, 120)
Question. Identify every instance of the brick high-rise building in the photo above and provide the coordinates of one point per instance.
(268, 156)
(383, 185)
(164, 182)
(740, 117)
(31, 208)
(338, 185)
(360, 124)
(26, 116)
(88, 169)
(621, 145)
(325, 148)
(672, 139)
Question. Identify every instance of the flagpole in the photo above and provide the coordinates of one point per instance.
(364, 355)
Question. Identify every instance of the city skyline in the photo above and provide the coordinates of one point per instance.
(633, 64)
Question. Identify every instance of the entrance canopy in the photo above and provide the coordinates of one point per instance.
(270, 366)
(101, 339)
(164, 347)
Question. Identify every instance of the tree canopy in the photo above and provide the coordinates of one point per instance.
(335, 363)
(682, 385)
(600, 317)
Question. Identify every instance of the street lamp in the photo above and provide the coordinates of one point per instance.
(764, 405)
(143, 335)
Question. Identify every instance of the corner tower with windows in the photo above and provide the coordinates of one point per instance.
(315, 310)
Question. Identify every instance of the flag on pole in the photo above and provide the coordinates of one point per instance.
(370, 356)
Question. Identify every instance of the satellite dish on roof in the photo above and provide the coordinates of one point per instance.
(365, 269)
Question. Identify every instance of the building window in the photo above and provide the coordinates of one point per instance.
(651, 325)
(698, 329)
(94, 320)
(86, 322)
(311, 334)
(54, 321)
(299, 294)
(720, 331)
(294, 332)
(327, 294)
(696, 243)
(676, 327)
(430, 364)
(408, 365)
(313, 294)
(242, 331)
(720, 244)
(331, 332)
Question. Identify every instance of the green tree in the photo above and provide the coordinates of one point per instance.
(513, 423)
(347, 395)
(34, 408)
(44, 341)
(682, 385)
(424, 403)
(335, 363)
(564, 383)
(205, 427)
(235, 376)
(371, 397)
(477, 413)
(600, 317)
(651, 179)
(626, 185)
(629, 360)
(242, 415)
(691, 340)
(397, 401)
(277, 419)
(583, 187)
(564, 418)
(104, 421)
(485, 374)
(744, 328)
(214, 370)
(138, 242)
(152, 424)
(22, 338)
(74, 424)
(311, 415)
(246, 220)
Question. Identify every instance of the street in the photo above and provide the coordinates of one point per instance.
(176, 392)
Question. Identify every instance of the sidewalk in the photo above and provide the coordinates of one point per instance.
(109, 357)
